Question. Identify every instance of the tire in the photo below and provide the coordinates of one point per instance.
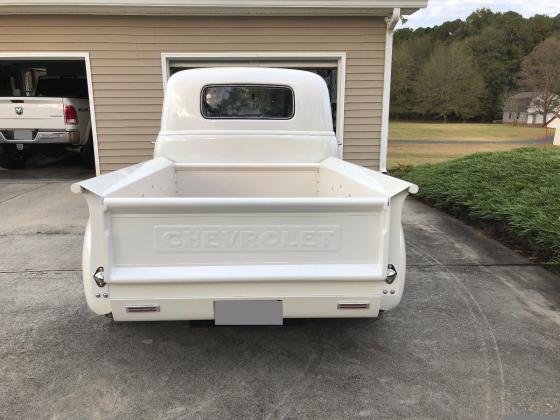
(87, 154)
(11, 157)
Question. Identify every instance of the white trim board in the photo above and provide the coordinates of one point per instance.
(339, 57)
(52, 56)
(212, 7)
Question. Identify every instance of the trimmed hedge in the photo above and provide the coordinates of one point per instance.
(514, 194)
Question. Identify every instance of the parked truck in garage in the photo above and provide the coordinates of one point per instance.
(57, 114)
(246, 215)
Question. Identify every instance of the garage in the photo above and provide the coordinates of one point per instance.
(131, 49)
(45, 116)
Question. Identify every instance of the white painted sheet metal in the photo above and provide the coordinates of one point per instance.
(317, 236)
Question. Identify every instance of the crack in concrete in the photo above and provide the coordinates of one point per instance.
(60, 270)
(476, 265)
(24, 192)
(23, 181)
(45, 233)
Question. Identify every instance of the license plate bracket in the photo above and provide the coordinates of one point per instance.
(23, 134)
(248, 312)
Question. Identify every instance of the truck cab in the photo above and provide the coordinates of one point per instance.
(246, 214)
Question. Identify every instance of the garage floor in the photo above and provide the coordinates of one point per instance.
(477, 335)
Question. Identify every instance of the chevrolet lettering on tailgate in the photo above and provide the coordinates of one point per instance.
(244, 238)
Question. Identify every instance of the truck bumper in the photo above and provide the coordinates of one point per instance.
(162, 302)
(203, 309)
(42, 137)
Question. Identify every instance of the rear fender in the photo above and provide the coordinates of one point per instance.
(95, 295)
(397, 252)
(96, 250)
(396, 191)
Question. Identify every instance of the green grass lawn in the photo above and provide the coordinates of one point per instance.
(470, 132)
(417, 143)
(514, 195)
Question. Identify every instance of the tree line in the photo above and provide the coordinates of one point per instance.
(466, 70)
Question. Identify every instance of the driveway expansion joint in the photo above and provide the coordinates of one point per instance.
(476, 265)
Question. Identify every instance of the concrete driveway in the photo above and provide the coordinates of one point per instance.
(477, 335)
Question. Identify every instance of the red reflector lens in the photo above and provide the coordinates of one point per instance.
(70, 115)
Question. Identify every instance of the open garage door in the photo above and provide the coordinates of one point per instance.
(331, 67)
(45, 116)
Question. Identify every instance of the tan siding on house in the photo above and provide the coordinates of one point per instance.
(125, 54)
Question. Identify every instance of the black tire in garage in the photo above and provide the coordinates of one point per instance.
(11, 157)
(87, 154)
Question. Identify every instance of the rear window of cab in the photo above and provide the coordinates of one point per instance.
(248, 102)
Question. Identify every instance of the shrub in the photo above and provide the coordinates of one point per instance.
(515, 193)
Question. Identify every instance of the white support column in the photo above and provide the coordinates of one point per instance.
(391, 23)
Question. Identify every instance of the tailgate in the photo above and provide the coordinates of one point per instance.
(31, 113)
(219, 240)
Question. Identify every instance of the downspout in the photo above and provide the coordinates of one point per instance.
(391, 23)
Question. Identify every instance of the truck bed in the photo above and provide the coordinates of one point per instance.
(243, 181)
(251, 225)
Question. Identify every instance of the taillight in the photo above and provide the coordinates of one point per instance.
(70, 115)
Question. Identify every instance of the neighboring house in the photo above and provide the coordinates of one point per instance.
(521, 109)
(131, 47)
(554, 122)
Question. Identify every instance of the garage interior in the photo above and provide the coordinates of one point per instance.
(19, 77)
(61, 78)
(327, 70)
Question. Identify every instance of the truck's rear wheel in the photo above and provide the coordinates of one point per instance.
(11, 157)
(87, 153)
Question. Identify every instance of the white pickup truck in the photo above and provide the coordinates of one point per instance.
(245, 215)
(58, 113)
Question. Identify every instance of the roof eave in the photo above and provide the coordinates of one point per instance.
(213, 7)
(552, 119)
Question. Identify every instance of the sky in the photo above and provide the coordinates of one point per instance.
(439, 11)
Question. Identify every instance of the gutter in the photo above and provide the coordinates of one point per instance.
(391, 23)
(211, 7)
